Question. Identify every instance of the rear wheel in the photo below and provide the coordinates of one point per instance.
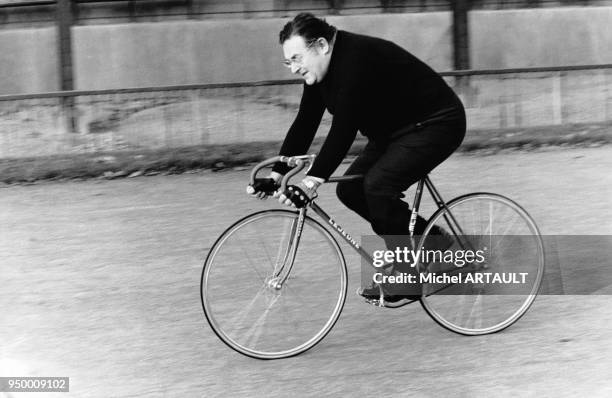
(511, 247)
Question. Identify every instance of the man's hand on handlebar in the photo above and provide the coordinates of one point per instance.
(301, 194)
(264, 187)
(275, 184)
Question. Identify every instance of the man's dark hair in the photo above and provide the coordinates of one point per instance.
(309, 27)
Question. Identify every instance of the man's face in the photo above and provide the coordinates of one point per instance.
(310, 62)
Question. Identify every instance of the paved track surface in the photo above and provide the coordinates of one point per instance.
(100, 282)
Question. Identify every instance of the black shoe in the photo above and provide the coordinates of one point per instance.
(399, 298)
(370, 292)
(390, 294)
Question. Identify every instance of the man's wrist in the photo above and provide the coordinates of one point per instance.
(277, 177)
(312, 182)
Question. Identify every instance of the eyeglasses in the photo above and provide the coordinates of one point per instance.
(298, 59)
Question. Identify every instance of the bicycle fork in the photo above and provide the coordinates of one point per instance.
(284, 264)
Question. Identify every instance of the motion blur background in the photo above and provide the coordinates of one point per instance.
(90, 76)
(100, 280)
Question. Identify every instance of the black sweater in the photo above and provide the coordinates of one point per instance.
(372, 85)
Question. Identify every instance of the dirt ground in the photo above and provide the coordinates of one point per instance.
(100, 281)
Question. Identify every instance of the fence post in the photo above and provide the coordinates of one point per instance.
(608, 94)
(556, 98)
(199, 133)
(191, 9)
(65, 19)
(461, 48)
(461, 45)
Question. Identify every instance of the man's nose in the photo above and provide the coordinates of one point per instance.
(294, 68)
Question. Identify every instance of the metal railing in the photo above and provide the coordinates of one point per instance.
(263, 83)
(204, 114)
(143, 10)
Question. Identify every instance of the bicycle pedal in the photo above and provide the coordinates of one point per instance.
(374, 302)
(385, 304)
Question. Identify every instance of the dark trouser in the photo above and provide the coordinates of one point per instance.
(391, 168)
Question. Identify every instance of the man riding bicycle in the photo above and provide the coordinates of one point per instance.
(413, 121)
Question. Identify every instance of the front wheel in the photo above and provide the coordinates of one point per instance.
(493, 288)
(268, 296)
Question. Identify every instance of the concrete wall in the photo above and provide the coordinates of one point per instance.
(545, 37)
(28, 61)
(186, 52)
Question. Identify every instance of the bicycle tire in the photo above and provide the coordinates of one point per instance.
(470, 310)
(282, 327)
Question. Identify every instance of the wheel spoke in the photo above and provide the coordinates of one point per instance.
(237, 322)
(255, 331)
(243, 246)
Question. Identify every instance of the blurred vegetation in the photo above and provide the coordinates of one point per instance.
(216, 157)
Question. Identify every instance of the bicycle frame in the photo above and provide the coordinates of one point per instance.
(425, 182)
(296, 229)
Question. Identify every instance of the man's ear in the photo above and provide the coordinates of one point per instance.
(323, 45)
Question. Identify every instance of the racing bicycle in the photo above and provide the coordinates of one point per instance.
(274, 283)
